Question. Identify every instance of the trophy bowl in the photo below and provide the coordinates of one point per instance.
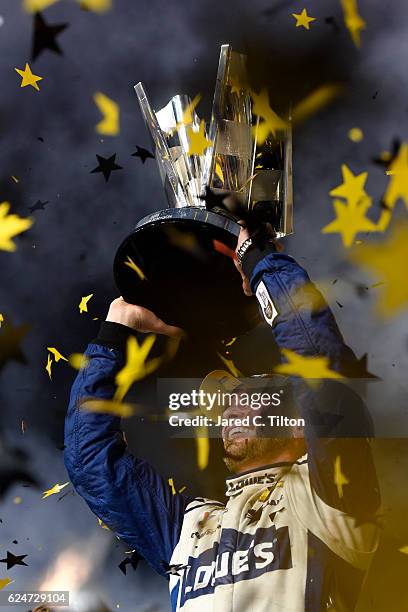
(189, 279)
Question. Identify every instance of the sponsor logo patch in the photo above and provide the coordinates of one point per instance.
(267, 306)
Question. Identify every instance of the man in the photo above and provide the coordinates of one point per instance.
(298, 531)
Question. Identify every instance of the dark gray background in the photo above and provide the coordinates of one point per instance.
(173, 48)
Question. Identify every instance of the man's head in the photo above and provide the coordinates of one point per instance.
(250, 446)
(252, 434)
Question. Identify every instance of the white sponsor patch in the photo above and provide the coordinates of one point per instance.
(268, 307)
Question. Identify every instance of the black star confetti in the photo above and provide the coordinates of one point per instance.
(45, 36)
(253, 516)
(37, 206)
(106, 166)
(358, 369)
(332, 22)
(143, 154)
(173, 569)
(13, 468)
(133, 561)
(10, 339)
(13, 560)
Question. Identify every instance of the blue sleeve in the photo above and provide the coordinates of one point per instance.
(337, 423)
(126, 493)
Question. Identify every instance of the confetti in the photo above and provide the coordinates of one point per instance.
(15, 179)
(98, 6)
(136, 366)
(45, 36)
(37, 206)
(270, 123)
(309, 368)
(350, 220)
(56, 353)
(131, 264)
(54, 490)
(48, 367)
(202, 447)
(10, 340)
(143, 154)
(403, 550)
(114, 407)
(13, 560)
(102, 524)
(356, 134)
(1, 318)
(78, 361)
(34, 6)
(353, 20)
(28, 78)
(230, 365)
(198, 141)
(133, 561)
(109, 125)
(398, 172)
(387, 260)
(188, 113)
(106, 165)
(317, 99)
(10, 226)
(4, 582)
(352, 187)
(83, 304)
(303, 19)
(339, 478)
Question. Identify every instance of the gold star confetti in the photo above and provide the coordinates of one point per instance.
(17, 500)
(173, 488)
(49, 366)
(352, 187)
(270, 123)
(83, 304)
(198, 141)
(388, 261)
(188, 113)
(356, 134)
(114, 407)
(109, 125)
(353, 20)
(56, 353)
(28, 78)
(136, 366)
(202, 447)
(55, 489)
(35, 6)
(10, 226)
(317, 99)
(1, 318)
(339, 478)
(309, 368)
(404, 550)
(102, 524)
(78, 361)
(230, 365)
(350, 220)
(98, 6)
(4, 582)
(303, 19)
(131, 264)
(398, 185)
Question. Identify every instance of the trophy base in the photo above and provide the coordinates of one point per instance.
(186, 274)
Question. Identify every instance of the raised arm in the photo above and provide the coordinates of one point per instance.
(124, 492)
(337, 423)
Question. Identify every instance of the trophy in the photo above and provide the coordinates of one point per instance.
(179, 261)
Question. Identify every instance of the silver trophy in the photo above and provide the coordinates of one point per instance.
(178, 261)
